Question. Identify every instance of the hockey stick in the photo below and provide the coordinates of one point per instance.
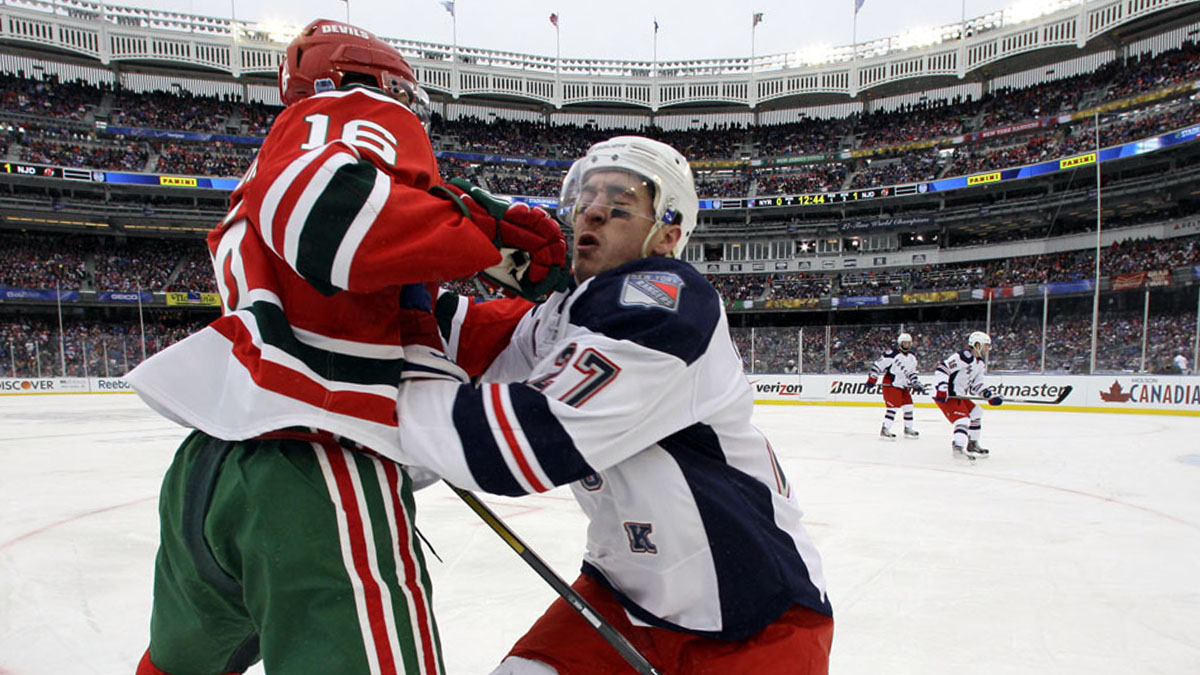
(610, 634)
(1066, 390)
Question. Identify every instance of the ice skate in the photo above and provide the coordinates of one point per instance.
(961, 453)
(886, 435)
(976, 450)
(911, 433)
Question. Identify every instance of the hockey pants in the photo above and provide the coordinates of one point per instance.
(301, 554)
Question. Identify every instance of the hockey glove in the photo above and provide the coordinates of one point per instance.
(994, 399)
(531, 244)
(423, 355)
(871, 381)
(916, 386)
(941, 394)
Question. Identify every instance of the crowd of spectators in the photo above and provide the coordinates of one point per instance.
(33, 346)
(799, 180)
(219, 159)
(142, 264)
(1125, 257)
(42, 261)
(178, 110)
(1016, 345)
(47, 96)
(877, 131)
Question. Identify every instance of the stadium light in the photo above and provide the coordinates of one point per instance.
(278, 30)
(922, 36)
(1028, 10)
(815, 55)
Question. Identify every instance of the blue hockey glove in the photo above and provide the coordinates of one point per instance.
(994, 399)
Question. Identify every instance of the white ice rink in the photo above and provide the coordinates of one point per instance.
(1075, 548)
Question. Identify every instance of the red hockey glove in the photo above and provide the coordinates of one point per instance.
(532, 246)
(941, 394)
(871, 381)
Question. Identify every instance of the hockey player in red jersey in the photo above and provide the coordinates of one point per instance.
(959, 376)
(896, 371)
(627, 387)
(285, 536)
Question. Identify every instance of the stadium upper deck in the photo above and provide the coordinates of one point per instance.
(1007, 41)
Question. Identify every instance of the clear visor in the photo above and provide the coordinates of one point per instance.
(617, 193)
(411, 95)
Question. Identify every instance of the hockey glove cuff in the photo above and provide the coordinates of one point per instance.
(994, 399)
(941, 394)
(531, 244)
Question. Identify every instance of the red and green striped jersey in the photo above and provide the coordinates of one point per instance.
(331, 220)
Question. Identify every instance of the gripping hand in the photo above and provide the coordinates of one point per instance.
(532, 247)
(871, 381)
(994, 398)
(941, 393)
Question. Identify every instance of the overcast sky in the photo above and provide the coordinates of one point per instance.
(612, 29)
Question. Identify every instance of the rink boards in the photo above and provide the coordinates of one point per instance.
(1155, 394)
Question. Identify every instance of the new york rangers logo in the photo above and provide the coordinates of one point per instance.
(652, 289)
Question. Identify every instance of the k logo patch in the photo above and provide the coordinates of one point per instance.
(652, 289)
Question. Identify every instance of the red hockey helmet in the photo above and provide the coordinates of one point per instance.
(326, 52)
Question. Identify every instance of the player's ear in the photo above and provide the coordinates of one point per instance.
(666, 238)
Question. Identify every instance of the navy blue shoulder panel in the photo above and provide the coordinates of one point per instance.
(966, 355)
(659, 303)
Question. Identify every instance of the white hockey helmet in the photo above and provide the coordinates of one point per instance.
(904, 342)
(660, 165)
(978, 340)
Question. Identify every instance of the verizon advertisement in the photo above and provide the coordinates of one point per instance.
(1171, 394)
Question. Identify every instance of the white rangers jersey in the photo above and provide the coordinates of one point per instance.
(962, 373)
(630, 389)
(896, 369)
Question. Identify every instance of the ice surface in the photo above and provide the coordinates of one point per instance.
(1074, 548)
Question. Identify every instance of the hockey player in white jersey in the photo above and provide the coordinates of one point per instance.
(896, 372)
(627, 387)
(961, 375)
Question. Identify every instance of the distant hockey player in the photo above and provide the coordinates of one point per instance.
(627, 387)
(896, 371)
(960, 375)
(285, 536)
(1181, 363)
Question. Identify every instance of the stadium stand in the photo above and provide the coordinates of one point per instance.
(805, 217)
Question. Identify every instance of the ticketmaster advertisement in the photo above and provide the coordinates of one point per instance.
(1166, 394)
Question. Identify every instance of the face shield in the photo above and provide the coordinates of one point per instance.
(584, 189)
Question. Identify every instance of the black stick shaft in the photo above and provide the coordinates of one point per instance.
(1061, 396)
(576, 601)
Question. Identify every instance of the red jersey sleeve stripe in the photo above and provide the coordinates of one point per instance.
(514, 447)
